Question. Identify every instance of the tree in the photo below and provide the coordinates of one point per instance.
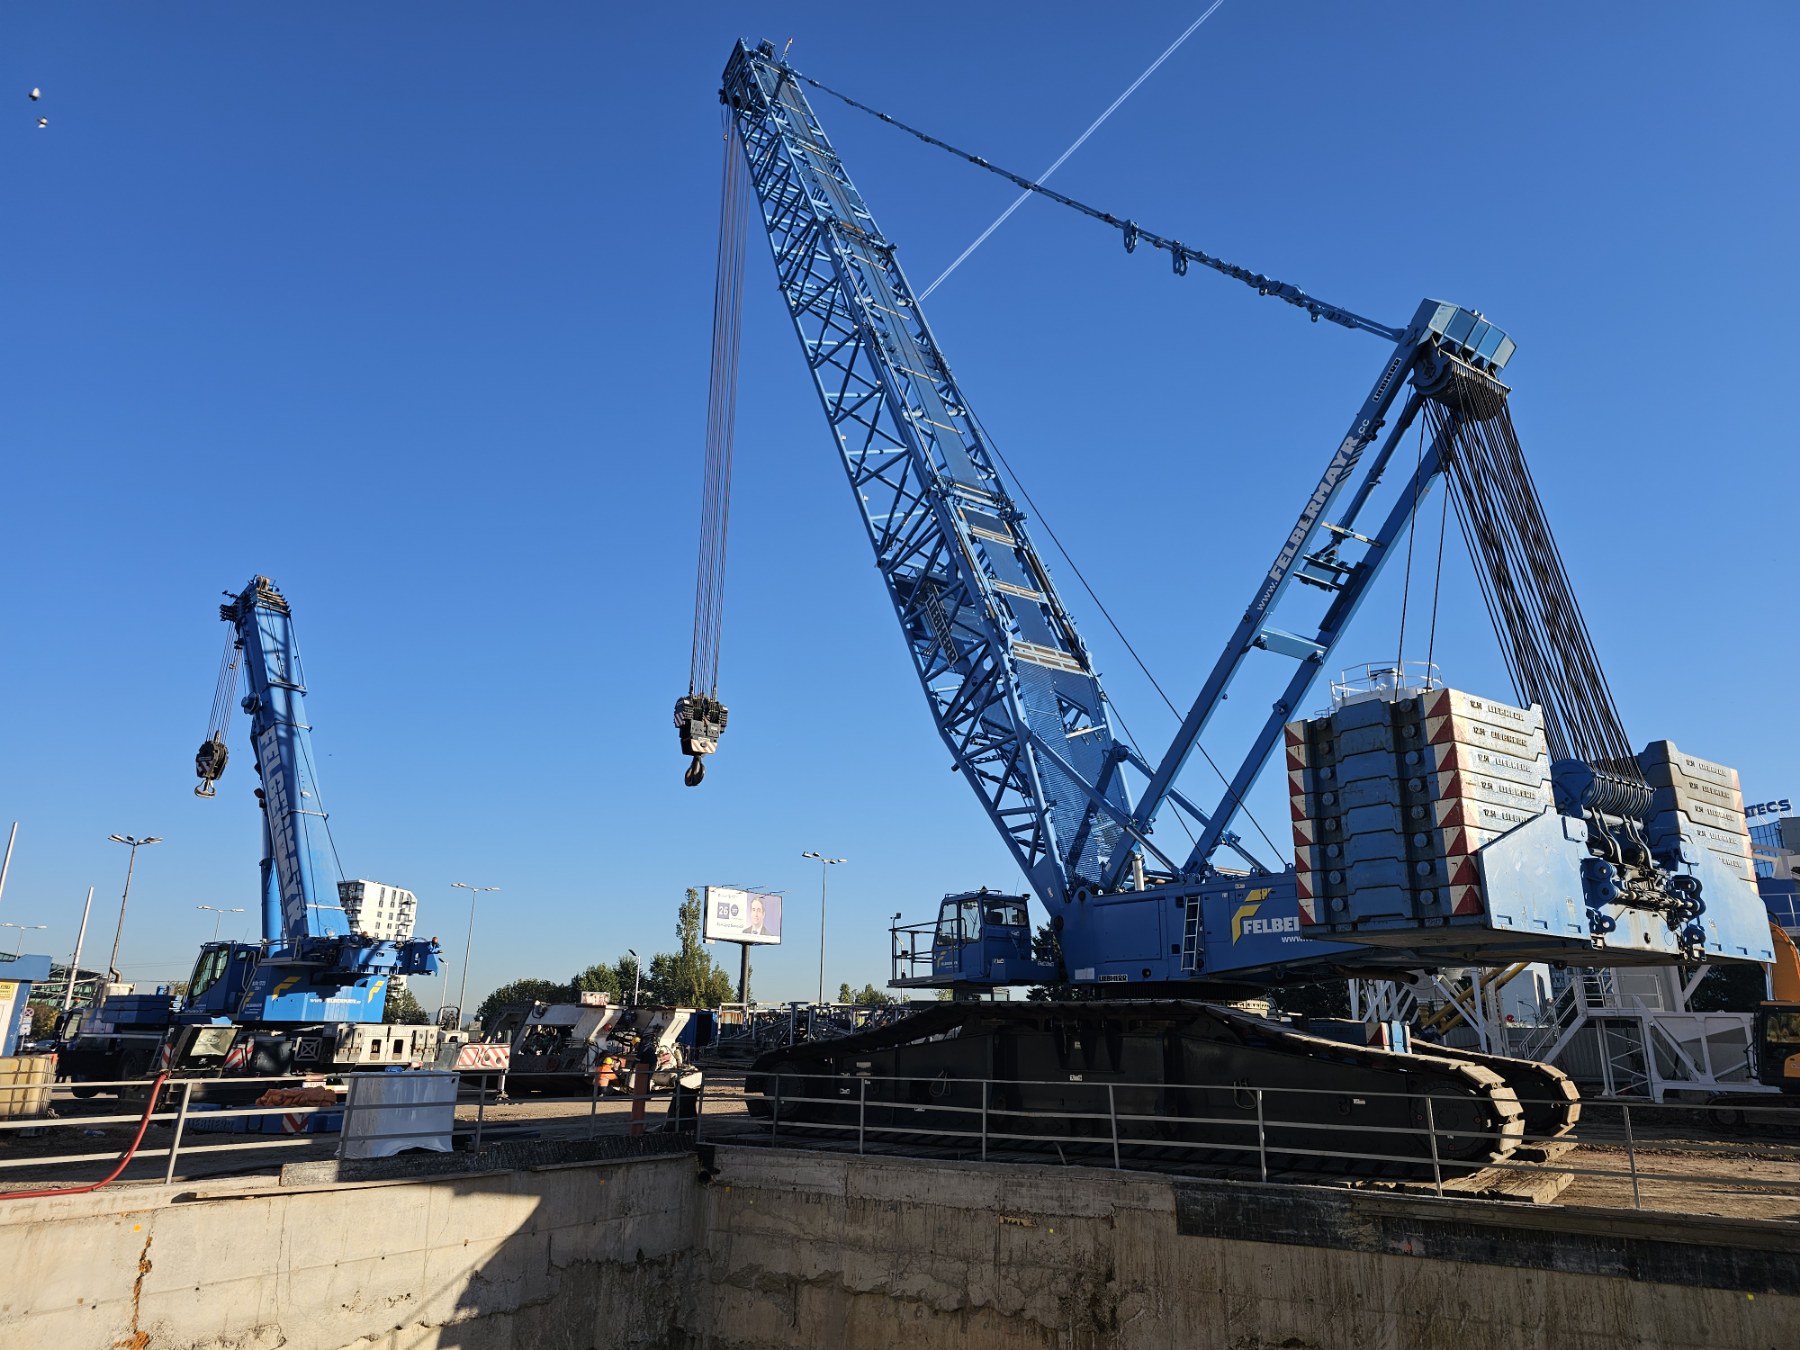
(1327, 998)
(867, 997)
(403, 1009)
(522, 991)
(1730, 987)
(600, 978)
(1046, 947)
(689, 977)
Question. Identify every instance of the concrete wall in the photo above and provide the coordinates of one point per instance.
(813, 1249)
(794, 1249)
(563, 1258)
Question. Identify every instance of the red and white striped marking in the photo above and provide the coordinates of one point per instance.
(479, 1055)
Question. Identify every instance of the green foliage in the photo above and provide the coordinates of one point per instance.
(43, 1020)
(403, 1009)
(1730, 987)
(689, 977)
(521, 991)
(601, 978)
(1047, 947)
(685, 978)
(1327, 998)
(867, 997)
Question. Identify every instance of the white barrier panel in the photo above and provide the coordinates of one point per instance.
(419, 1106)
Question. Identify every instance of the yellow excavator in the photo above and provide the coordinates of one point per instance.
(1778, 1020)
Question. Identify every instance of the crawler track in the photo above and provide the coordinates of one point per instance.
(1172, 1081)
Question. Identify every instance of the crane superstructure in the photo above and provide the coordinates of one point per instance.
(1012, 686)
(1613, 865)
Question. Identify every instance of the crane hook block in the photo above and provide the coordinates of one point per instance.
(701, 721)
(209, 763)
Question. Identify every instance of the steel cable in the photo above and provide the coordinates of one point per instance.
(721, 417)
(1181, 254)
(1548, 648)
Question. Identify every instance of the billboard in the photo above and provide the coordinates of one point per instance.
(734, 915)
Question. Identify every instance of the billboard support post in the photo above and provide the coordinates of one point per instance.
(744, 973)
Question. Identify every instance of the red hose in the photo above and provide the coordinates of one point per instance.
(124, 1162)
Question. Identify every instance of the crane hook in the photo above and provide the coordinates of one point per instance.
(695, 772)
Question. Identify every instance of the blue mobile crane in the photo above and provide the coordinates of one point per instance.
(297, 1000)
(1611, 870)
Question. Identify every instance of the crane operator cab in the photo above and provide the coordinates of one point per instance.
(980, 937)
(221, 975)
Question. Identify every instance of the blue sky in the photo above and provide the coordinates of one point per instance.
(408, 306)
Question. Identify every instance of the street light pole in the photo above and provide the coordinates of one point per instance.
(6, 863)
(824, 865)
(219, 916)
(75, 960)
(468, 943)
(112, 963)
(637, 975)
(23, 928)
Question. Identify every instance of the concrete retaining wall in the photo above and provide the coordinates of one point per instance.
(785, 1249)
(901, 1255)
(564, 1258)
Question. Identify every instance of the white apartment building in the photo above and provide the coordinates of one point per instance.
(380, 911)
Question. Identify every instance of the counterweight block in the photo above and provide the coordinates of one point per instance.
(1430, 820)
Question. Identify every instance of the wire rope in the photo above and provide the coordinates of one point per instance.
(1079, 141)
(1181, 255)
(1545, 640)
(721, 417)
(1118, 632)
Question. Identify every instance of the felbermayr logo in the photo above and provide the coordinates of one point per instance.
(1245, 920)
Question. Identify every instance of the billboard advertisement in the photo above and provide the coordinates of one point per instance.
(734, 915)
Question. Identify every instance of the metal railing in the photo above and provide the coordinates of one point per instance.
(1257, 1140)
(177, 1110)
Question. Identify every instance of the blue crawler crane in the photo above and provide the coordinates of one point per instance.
(1603, 863)
(299, 998)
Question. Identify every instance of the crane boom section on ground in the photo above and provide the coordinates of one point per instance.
(1010, 683)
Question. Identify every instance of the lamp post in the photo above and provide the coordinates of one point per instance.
(219, 916)
(437, 1018)
(75, 960)
(112, 963)
(825, 865)
(468, 942)
(637, 975)
(19, 946)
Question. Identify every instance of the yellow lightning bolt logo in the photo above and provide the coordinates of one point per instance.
(1252, 902)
